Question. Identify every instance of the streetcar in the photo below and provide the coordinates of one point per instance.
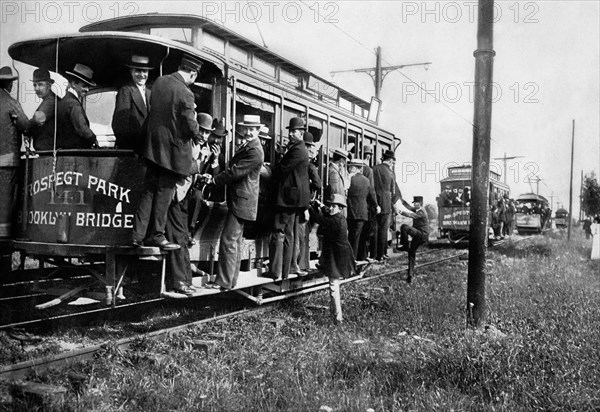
(454, 214)
(78, 205)
(561, 218)
(533, 213)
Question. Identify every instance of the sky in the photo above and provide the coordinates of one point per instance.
(546, 73)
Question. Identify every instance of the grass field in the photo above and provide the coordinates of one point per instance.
(402, 347)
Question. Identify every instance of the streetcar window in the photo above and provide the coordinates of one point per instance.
(288, 78)
(180, 34)
(238, 54)
(263, 66)
(213, 42)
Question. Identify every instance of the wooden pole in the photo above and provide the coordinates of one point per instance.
(484, 62)
(571, 183)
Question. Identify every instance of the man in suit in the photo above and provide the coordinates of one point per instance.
(419, 232)
(337, 177)
(242, 179)
(132, 105)
(72, 122)
(291, 199)
(301, 256)
(41, 125)
(167, 148)
(361, 196)
(385, 185)
(368, 242)
(179, 268)
(13, 122)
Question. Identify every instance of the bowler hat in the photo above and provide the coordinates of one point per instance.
(356, 162)
(41, 75)
(7, 74)
(191, 62)
(336, 199)
(309, 139)
(388, 154)
(340, 152)
(205, 121)
(82, 72)
(263, 133)
(368, 150)
(139, 62)
(251, 120)
(297, 123)
(219, 129)
(418, 199)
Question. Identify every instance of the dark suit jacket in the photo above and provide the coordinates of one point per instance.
(129, 118)
(242, 179)
(315, 180)
(73, 126)
(385, 184)
(171, 125)
(292, 177)
(43, 135)
(360, 195)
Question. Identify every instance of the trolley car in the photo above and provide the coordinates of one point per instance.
(454, 215)
(533, 213)
(561, 218)
(80, 203)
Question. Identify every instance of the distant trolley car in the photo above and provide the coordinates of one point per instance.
(533, 213)
(454, 215)
(80, 203)
(561, 218)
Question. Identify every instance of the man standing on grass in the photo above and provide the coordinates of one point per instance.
(419, 232)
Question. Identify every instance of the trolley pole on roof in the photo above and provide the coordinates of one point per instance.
(484, 63)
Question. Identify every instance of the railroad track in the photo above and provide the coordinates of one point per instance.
(21, 370)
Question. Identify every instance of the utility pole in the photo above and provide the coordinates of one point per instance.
(552, 201)
(482, 125)
(571, 183)
(504, 159)
(378, 72)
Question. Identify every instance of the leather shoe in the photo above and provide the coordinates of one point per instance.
(402, 249)
(300, 273)
(137, 243)
(164, 244)
(270, 275)
(185, 290)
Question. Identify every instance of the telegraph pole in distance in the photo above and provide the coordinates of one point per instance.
(571, 183)
(378, 72)
(482, 125)
(504, 159)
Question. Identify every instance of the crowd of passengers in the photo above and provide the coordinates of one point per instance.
(184, 162)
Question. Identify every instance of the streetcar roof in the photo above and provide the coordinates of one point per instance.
(106, 54)
(156, 20)
(531, 197)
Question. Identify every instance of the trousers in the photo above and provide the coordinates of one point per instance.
(418, 238)
(230, 251)
(179, 268)
(383, 225)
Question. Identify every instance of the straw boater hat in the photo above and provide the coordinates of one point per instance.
(7, 74)
(263, 133)
(82, 72)
(205, 121)
(251, 120)
(388, 154)
(368, 150)
(340, 152)
(139, 62)
(336, 199)
(356, 163)
(297, 123)
(41, 75)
